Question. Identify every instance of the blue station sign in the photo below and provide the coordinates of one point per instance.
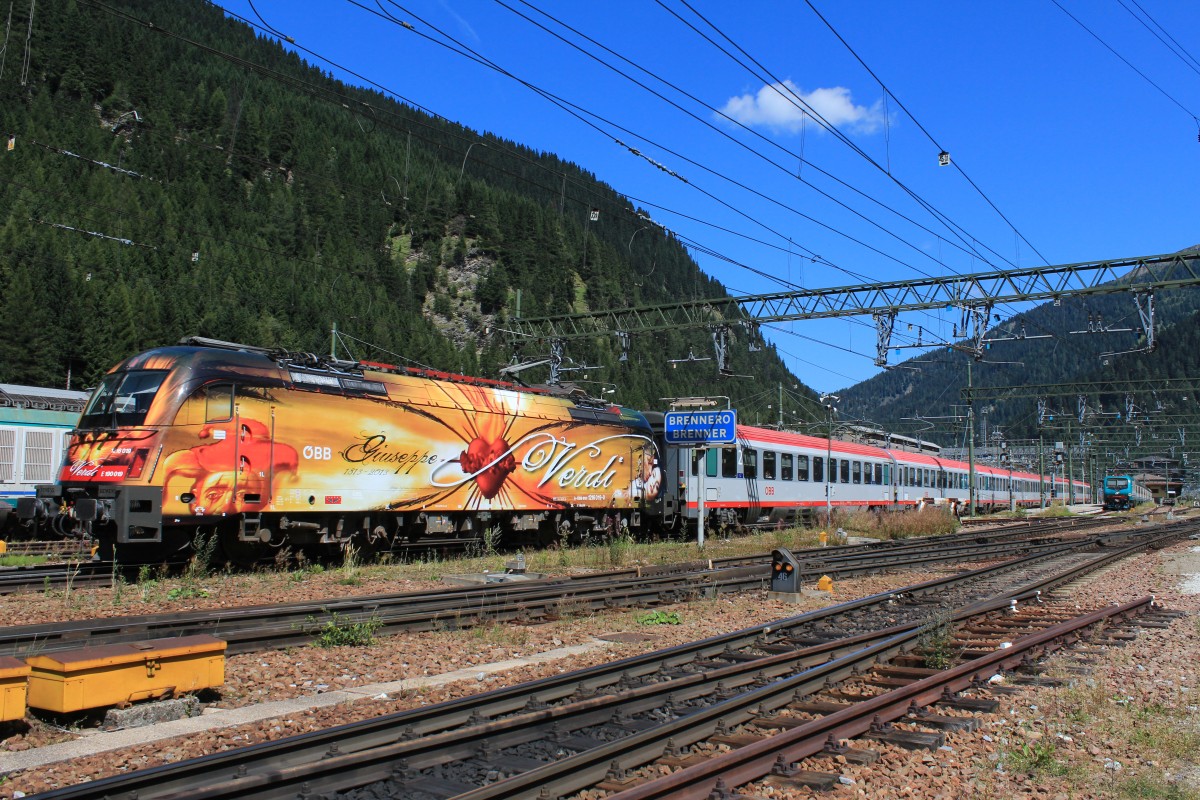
(700, 427)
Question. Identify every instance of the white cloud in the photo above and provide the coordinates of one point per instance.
(780, 107)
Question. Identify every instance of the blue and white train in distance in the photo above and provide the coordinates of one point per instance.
(1123, 492)
(35, 424)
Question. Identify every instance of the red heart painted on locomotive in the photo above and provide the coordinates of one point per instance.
(477, 454)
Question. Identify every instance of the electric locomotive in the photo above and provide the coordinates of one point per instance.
(1123, 492)
(264, 449)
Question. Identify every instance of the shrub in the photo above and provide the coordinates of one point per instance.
(338, 631)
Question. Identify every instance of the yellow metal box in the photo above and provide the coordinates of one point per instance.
(115, 674)
(14, 678)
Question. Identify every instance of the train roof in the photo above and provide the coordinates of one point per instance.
(41, 398)
(771, 436)
(768, 436)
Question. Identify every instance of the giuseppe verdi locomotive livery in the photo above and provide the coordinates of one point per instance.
(257, 444)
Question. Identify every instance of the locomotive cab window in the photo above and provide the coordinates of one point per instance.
(218, 403)
(122, 399)
(710, 462)
(768, 462)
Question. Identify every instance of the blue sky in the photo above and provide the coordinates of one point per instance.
(1084, 157)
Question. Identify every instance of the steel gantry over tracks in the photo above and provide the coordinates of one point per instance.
(1086, 389)
(975, 294)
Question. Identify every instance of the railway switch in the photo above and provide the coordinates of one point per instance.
(785, 572)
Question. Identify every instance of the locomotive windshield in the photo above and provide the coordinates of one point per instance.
(1118, 483)
(123, 399)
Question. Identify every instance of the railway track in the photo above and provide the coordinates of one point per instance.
(592, 727)
(43, 577)
(252, 628)
(61, 576)
(63, 547)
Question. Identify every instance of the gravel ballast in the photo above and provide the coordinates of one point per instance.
(1125, 726)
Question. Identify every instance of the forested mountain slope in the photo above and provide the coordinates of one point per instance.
(155, 188)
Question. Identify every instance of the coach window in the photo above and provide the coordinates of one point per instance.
(845, 467)
(818, 469)
(218, 405)
(768, 465)
(879, 474)
(785, 466)
(749, 463)
(856, 471)
(728, 462)
(802, 468)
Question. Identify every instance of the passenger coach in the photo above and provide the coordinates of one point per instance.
(771, 475)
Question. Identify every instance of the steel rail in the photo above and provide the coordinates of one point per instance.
(756, 760)
(38, 577)
(14, 580)
(338, 770)
(383, 731)
(252, 628)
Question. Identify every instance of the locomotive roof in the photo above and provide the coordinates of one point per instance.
(214, 358)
